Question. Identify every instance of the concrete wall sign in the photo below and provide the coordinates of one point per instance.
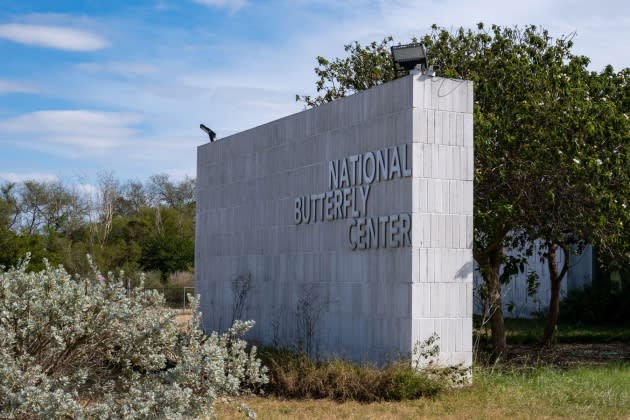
(345, 229)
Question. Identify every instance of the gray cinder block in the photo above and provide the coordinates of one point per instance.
(352, 222)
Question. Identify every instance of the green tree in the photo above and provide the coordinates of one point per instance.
(172, 193)
(363, 68)
(531, 105)
(134, 196)
(130, 226)
(582, 197)
(9, 208)
(15, 237)
(170, 246)
(49, 206)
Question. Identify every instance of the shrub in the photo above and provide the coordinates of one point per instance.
(603, 302)
(82, 348)
(295, 375)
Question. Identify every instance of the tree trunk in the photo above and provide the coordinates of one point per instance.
(490, 265)
(497, 325)
(555, 278)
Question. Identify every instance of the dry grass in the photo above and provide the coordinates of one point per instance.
(182, 279)
(271, 408)
(583, 392)
(464, 405)
(182, 319)
(296, 376)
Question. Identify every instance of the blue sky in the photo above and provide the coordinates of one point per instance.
(91, 86)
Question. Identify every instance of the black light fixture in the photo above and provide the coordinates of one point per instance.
(410, 57)
(209, 132)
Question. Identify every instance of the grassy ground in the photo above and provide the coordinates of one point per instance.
(543, 392)
(529, 331)
(585, 375)
(575, 345)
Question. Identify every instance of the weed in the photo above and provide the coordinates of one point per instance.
(241, 286)
(310, 307)
(295, 375)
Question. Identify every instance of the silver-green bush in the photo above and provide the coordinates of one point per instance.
(86, 348)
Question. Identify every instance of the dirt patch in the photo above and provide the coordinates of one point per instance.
(182, 319)
(563, 355)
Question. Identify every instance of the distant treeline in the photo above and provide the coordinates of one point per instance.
(128, 225)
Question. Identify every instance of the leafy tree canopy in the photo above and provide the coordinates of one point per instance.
(551, 139)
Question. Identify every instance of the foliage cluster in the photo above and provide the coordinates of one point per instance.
(296, 375)
(571, 330)
(605, 301)
(130, 226)
(552, 145)
(363, 68)
(83, 347)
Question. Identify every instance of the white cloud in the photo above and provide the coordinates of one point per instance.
(233, 5)
(87, 189)
(27, 176)
(118, 68)
(8, 86)
(162, 6)
(48, 36)
(407, 18)
(186, 76)
(95, 140)
(71, 132)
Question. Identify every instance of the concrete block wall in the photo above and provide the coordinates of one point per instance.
(364, 303)
(442, 262)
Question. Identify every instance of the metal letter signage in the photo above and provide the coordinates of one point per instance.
(349, 183)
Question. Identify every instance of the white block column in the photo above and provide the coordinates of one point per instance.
(442, 265)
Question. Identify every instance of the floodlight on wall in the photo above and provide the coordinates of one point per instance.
(209, 132)
(410, 57)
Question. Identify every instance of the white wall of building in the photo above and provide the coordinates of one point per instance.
(517, 303)
(367, 299)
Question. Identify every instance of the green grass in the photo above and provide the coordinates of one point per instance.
(558, 383)
(585, 391)
(529, 331)
(542, 392)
